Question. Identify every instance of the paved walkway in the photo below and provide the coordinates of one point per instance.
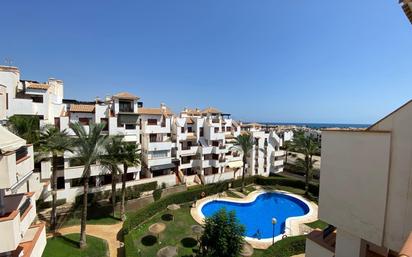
(110, 233)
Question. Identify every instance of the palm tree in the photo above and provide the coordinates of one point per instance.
(26, 127)
(111, 161)
(89, 149)
(308, 147)
(130, 157)
(54, 142)
(244, 144)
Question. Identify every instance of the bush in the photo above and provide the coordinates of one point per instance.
(283, 181)
(286, 247)
(157, 194)
(136, 218)
(238, 182)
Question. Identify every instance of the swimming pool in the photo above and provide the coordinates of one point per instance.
(257, 215)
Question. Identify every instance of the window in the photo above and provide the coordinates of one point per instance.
(223, 129)
(201, 132)
(57, 122)
(125, 106)
(84, 121)
(106, 122)
(182, 129)
(60, 183)
(159, 154)
(190, 129)
(37, 99)
(151, 122)
(216, 130)
(130, 126)
(153, 138)
(77, 182)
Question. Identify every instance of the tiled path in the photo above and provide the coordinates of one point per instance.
(110, 233)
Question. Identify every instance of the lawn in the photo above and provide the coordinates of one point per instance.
(68, 246)
(318, 224)
(175, 232)
(231, 194)
(96, 216)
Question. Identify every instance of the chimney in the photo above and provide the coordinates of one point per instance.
(163, 106)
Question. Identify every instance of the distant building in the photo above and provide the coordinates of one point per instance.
(407, 8)
(366, 190)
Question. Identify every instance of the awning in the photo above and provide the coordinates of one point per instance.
(9, 141)
(235, 164)
(162, 167)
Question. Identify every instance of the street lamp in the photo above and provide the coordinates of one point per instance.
(274, 221)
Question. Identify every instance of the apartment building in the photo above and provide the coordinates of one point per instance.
(266, 156)
(366, 190)
(155, 127)
(21, 236)
(202, 146)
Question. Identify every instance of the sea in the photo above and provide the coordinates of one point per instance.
(319, 125)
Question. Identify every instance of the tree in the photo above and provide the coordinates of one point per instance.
(26, 127)
(244, 144)
(288, 147)
(130, 157)
(111, 160)
(54, 142)
(89, 149)
(308, 146)
(222, 236)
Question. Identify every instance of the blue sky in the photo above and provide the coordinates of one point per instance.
(290, 61)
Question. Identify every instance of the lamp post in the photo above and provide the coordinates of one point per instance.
(274, 221)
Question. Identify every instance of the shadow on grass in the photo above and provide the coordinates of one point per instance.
(148, 240)
(167, 217)
(71, 242)
(188, 242)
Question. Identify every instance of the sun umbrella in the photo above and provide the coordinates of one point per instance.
(157, 228)
(247, 250)
(168, 251)
(197, 230)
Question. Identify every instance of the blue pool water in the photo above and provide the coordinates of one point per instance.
(257, 216)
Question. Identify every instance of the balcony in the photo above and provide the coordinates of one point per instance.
(17, 166)
(320, 244)
(20, 211)
(33, 242)
(189, 151)
(158, 146)
(278, 153)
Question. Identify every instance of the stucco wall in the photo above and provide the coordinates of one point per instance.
(353, 181)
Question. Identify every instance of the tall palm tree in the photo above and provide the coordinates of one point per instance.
(244, 144)
(89, 149)
(308, 147)
(26, 127)
(130, 157)
(111, 160)
(54, 142)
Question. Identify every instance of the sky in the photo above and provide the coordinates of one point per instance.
(281, 61)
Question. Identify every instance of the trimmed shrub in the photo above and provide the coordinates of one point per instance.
(283, 181)
(157, 194)
(238, 182)
(286, 247)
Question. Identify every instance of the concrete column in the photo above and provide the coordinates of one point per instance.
(348, 245)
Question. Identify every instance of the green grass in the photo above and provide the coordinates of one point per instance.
(175, 231)
(231, 194)
(68, 246)
(104, 220)
(318, 224)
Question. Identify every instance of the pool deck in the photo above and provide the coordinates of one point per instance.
(293, 225)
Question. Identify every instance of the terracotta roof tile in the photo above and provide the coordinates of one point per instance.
(126, 95)
(82, 108)
(155, 111)
(211, 110)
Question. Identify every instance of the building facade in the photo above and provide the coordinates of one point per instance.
(366, 189)
(21, 235)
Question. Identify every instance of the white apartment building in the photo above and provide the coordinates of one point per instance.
(202, 146)
(266, 156)
(366, 190)
(21, 237)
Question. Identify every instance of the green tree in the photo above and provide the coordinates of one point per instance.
(89, 149)
(130, 157)
(111, 161)
(244, 144)
(53, 142)
(308, 147)
(26, 127)
(222, 236)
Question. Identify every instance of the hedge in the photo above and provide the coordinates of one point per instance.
(248, 180)
(284, 181)
(286, 247)
(132, 192)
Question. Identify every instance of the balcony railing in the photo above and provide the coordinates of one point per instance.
(21, 153)
(23, 208)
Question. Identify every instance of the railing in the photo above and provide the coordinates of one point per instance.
(23, 208)
(21, 153)
(222, 147)
(222, 160)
